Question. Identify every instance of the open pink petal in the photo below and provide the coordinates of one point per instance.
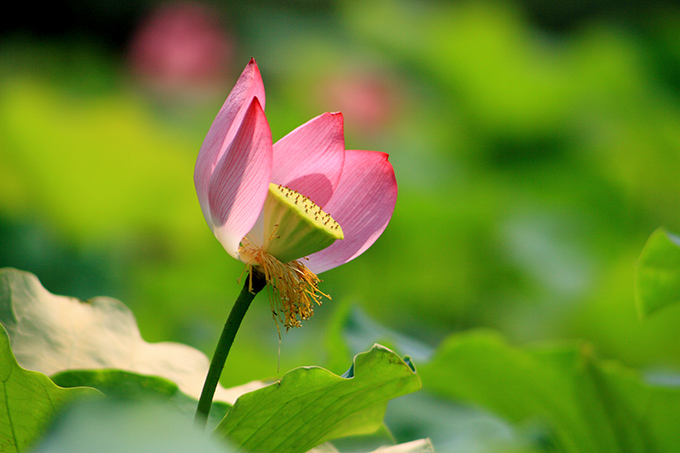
(362, 204)
(223, 129)
(240, 182)
(310, 158)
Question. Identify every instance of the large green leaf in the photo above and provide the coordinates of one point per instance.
(311, 405)
(580, 404)
(51, 334)
(137, 418)
(123, 385)
(97, 344)
(657, 277)
(28, 401)
(115, 426)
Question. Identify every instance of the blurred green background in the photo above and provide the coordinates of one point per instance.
(536, 147)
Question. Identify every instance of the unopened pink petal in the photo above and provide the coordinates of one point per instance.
(362, 204)
(224, 128)
(310, 158)
(240, 182)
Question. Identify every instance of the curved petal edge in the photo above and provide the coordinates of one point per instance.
(224, 128)
(362, 204)
(310, 158)
(239, 184)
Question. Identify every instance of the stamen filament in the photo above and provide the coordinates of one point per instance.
(296, 288)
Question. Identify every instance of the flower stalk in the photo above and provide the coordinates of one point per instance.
(254, 283)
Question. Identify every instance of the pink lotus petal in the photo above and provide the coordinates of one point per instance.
(310, 158)
(223, 129)
(240, 182)
(362, 204)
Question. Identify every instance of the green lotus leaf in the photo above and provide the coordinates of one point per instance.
(29, 401)
(657, 277)
(311, 405)
(52, 334)
(574, 401)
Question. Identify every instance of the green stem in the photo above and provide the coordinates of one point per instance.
(238, 311)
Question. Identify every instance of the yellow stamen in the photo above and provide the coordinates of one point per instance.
(296, 288)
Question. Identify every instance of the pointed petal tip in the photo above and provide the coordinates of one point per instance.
(379, 155)
(383, 155)
(255, 104)
(333, 118)
(254, 69)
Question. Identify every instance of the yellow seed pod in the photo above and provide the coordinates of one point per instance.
(295, 226)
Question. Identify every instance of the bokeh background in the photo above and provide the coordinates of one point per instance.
(536, 146)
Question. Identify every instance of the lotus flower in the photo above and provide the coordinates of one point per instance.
(292, 209)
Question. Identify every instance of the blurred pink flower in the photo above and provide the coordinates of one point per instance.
(370, 99)
(181, 48)
(236, 164)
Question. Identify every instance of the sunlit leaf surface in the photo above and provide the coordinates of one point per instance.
(51, 334)
(28, 401)
(416, 446)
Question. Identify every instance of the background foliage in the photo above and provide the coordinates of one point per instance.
(536, 147)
